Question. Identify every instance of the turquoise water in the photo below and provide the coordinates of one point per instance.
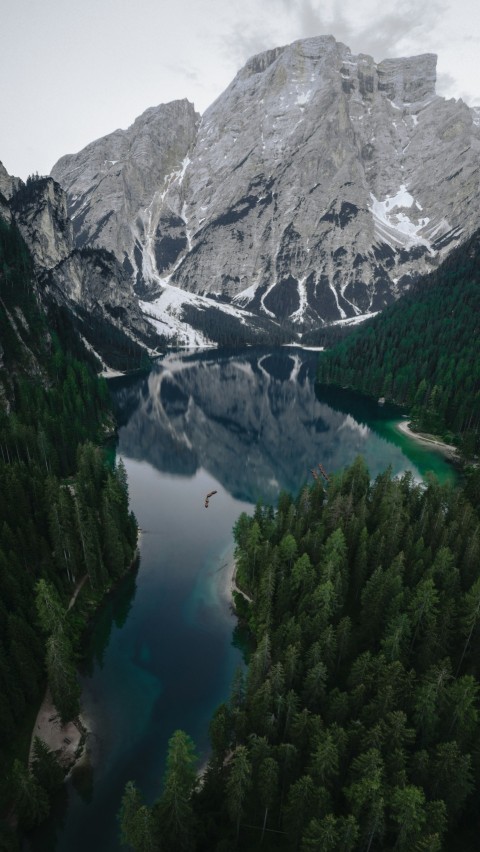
(160, 656)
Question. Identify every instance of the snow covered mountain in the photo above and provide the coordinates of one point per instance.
(315, 189)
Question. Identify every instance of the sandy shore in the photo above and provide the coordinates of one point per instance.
(228, 585)
(447, 449)
(66, 741)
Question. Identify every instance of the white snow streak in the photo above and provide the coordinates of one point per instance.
(165, 313)
(340, 309)
(246, 295)
(349, 423)
(355, 320)
(262, 300)
(188, 232)
(185, 163)
(297, 364)
(302, 295)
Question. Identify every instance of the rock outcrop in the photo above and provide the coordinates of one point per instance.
(40, 210)
(8, 184)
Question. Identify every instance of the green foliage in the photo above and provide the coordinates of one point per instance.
(30, 799)
(170, 824)
(45, 767)
(174, 811)
(359, 726)
(137, 828)
(226, 330)
(63, 515)
(422, 352)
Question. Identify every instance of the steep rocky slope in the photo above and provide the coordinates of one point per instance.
(88, 284)
(113, 182)
(315, 188)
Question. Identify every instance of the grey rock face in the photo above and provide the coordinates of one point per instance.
(94, 281)
(88, 282)
(115, 188)
(316, 188)
(40, 210)
(8, 184)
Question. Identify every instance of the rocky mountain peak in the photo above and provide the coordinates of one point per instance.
(315, 189)
(113, 182)
(408, 80)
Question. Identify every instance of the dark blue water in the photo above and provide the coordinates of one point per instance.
(161, 655)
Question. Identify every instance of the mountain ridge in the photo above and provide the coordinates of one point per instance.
(317, 187)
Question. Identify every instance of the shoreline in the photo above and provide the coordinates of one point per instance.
(447, 450)
(228, 584)
(67, 741)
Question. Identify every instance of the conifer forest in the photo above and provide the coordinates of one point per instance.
(354, 723)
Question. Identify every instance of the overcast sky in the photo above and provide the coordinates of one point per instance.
(71, 72)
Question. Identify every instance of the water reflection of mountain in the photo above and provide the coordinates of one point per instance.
(252, 420)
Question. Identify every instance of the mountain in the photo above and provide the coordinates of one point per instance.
(442, 387)
(111, 184)
(316, 188)
(85, 288)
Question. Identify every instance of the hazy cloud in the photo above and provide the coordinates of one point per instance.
(378, 28)
(446, 84)
(192, 74)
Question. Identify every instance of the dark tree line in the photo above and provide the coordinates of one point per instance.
(63, 515)
(423, 352)
(357, 723)
(228, 330)
(357, 726)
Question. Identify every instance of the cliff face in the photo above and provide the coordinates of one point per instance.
(90, 284)
(40, 210)
(315, 188)
(115, 186)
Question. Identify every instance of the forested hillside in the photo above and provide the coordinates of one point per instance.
(423, 352)
(63, 515)
(357, 726)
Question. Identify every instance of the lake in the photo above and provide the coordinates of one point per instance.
(160, 657)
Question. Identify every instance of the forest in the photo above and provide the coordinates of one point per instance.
(64, 515)
(422, 352)
(356, 725)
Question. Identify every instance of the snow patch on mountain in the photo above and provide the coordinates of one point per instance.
(394, 225)
(165, 314)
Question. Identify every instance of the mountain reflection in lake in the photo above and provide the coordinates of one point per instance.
(254, 421)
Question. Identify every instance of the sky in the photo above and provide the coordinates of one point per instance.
(73, 71)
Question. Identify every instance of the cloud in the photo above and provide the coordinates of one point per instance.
(380, 28)
(184, 71)
(446, 84)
